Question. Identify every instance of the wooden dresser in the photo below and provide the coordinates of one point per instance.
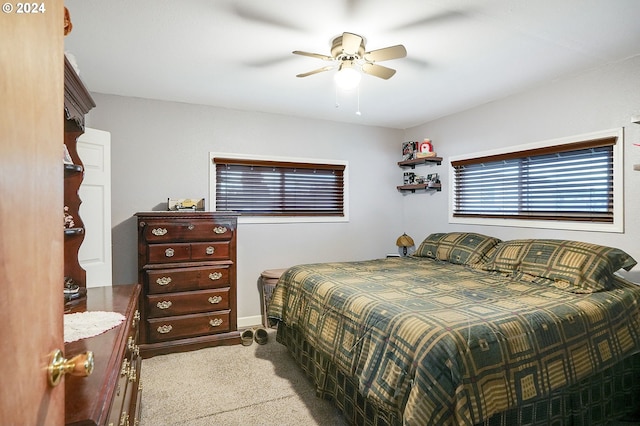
(111, 394)
(187, 265)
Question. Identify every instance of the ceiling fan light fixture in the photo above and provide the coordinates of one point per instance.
(347, 78)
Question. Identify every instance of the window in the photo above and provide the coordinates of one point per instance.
(260, 187)
(572, 181)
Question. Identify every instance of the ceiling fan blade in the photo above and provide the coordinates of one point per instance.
(306, 74)
(386, 54)
(313, 55)
(351, 43)
(378, 71)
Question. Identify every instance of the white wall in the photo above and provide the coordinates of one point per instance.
(601, 99)
(161, 150)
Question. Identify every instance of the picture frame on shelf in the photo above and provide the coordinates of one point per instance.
(409, 150)
(409, 178)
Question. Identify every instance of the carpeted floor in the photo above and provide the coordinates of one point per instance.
(231, 385)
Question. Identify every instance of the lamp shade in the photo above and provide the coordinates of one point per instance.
(404, 241)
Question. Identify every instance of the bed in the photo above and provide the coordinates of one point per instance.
(469, 330)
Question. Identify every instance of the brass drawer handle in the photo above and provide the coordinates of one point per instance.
(163, 280)
(191, 227)
(124, 370)
(215, 322)
(215, 299)
(220, 229)
(210, 250)
(169, 252)
(164, 329)
(159, 231)
(164, 304)
(131, 345)
(215, 276)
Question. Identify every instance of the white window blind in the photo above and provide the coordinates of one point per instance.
(563, 182)
(279, 188)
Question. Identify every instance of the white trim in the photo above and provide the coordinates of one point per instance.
(274, 219)
(251, 321)
(618, 188)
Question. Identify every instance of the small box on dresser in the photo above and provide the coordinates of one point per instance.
(187, 265)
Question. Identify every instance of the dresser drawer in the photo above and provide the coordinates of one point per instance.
(185, 252)
(126, 393)
(171, 304)
(210, 251)
(164, 253)
(118, 410)
(127, 388)
(171, 328)
(185, 279)
(186, 231)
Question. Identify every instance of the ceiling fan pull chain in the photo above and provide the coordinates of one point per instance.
(358, 111)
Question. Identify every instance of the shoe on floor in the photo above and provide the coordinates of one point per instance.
(261, 336)
(247, 337)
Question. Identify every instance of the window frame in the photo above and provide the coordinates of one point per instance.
(281, 219)
(618, 187)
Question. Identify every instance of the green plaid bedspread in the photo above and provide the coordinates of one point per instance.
(446, 344)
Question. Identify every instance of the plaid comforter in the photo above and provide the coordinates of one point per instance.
(447, 344)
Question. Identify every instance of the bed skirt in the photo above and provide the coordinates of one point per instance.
(611, 394)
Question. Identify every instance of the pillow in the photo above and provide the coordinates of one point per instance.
(506, 257)
(465, 248)
(571, 265)
(429, 246)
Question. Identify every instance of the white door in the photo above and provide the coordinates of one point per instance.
(94, 149)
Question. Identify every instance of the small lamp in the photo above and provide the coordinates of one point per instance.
(404, 241)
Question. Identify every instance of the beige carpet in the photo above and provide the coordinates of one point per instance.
(231, 385)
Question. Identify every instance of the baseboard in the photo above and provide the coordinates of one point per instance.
(245, 322)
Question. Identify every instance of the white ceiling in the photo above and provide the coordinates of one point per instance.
(237, 54)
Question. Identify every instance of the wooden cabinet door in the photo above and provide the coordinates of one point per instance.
(31, 219)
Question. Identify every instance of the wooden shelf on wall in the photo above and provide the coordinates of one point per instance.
(412, 163)
(419, 186)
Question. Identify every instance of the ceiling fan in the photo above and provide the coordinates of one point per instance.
(349, 50)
